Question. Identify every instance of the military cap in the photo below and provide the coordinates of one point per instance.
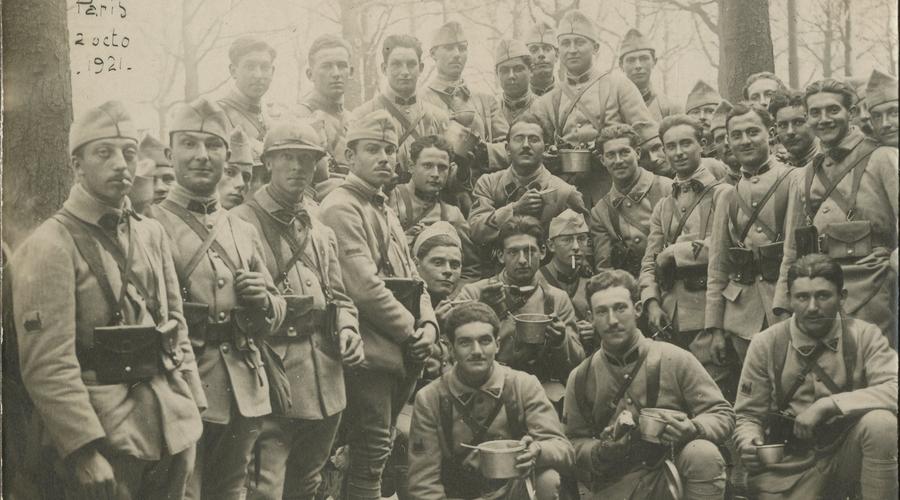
(439, 228)
(880, 89)
(633, 42)
(509, 49)
(292, 135)
(541, 33)
(647, 131)
(200, 115)
(720, 116)
(152, 149)
(702, 94)
(857, 85)
(377, 126)
(109, 120)
(241, 150)
(450, 32)
(245, 44)
(568, 222)
(576, 23)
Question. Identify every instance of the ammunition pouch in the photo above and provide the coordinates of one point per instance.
(847, 240)
(807, 240)
(770, 257)
(202, 331)
(748, 263)
(623, 257)
(408, 292)
(125, 354)
(743, 264)
(665, 276)
(693, 277)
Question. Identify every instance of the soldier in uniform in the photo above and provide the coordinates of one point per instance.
(761, 87)
(317, 336)
(418, 203)
(526, 187)
(701, 104)
(823, 385)
(637, 58)
(103, 346)
(674, 267)
(748, 233)
(481, 400)
(235, 181)
(513, 63)
(544, 48)
(252, 65)
(329, 68)
(631, 378)
(569, 242)
(881, 101)
(517, 290)
(438, 254)
(163, 173)
(620, 221)
(719, 135)
(398, 335)
(230, 299)
(844, 204)
(652, 157)
(792, 131)
(417, 118)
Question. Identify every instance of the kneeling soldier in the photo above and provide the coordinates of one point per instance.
(631, 376)
(117, 393)
(481, 400)
(320, 330)
(834, 403)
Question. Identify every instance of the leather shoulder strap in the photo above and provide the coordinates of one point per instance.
(575, 98)
(203, 233)
(515, 417)
(755, 212)
(780, 346)
(654, 360)
(671, 237)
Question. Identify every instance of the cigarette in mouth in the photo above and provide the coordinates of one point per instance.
(573, 262)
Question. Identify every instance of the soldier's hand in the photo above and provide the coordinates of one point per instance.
(585, 331)
(656, 316)
(415, 230)
(665, 260)
(808, 419)
(526, 460)
(94, 474)
(250, 287)
(749, 456)
(493, 293)
(351, 343)
(420, 348)
(531, 203)
(679, 430)
(718, 346)
(443, 309)
(556, 331)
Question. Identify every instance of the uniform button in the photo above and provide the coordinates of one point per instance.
(637, 239)
(754, 204)
(758, 229)
(761, 278)
(224, 348)
(629, 401)
(683, 209)
(849, 251)
(627, 376)
(291, 331)
(209, 226)
(754, 180)
(308, 283)
(627, 203)
(222, 315)
(127, 369)
(825, 210)
(221, 282)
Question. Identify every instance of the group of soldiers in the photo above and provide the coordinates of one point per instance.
(214, 314)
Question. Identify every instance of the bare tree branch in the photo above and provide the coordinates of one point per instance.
(697, 8)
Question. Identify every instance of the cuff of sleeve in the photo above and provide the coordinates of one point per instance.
(422, 324)
(502, 214)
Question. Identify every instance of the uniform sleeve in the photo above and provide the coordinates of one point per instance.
(43, 279)
(348, 316)
(544, 426)
(484, 218)
(632, 107)
(360, 274)
(579, 433)
(683, 251)
(499, 127)
(647, 279)
(471, 262)
(886, 159)
(425, 454)
(794, 218)
(717, 271)
(543, 109)
(880, 374)
(712, 413)
(754, 393)
(277, 305)
(601, 235)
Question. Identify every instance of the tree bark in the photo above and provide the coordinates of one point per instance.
(351, 31)
(745, 44)
(37, 112)
(793, 55)
(827, 58)
(847, 39)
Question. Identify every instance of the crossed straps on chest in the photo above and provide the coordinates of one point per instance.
(671, 236)
(739, 203)
(860, 160)
(410, 219)
(409, 128)
(653, 193)
(382, 234)
(575, 101)
(86, 237)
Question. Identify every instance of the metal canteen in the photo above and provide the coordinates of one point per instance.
(770, 454)
(574, 161)
(531, 328)
(497, 459)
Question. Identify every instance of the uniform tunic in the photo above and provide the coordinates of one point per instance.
(329, 119)
(745, 309)
(317, 378)
(870, 283)
(635, 207)
(874, 386)
(512, 108)
(360, 225)
(546, 361)
(572, 283)
(685, 308)
(612, 99)
(232, 386)
(660, 106)
(411, 208)
(683, 385)
(495, 194)
(244, 113)
(58, 303)
(456, 97)
(429, 449)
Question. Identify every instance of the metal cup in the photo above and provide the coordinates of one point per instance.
(531, 328)
(497, 459)
(770, 454)
(573, 161)
(651, 427)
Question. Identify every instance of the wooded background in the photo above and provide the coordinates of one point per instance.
(178, 51)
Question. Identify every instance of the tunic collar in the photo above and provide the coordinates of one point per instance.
(396, 98)
(180, 195)
(582, 78)
(543, 90)
(637, 191)
(630, 356)
(805, 344)
(319, 101)
(540, 176)
(520, 103)
(244, 102)
(369, 191)
(448, 87)
(89, 209)
(850, 141)
(493, 386)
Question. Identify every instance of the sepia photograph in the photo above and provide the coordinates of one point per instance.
(449, 249)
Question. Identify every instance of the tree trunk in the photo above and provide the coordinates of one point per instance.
(847, 39)
(350, 30)
(793, 55)
(37, 112)
(745, 44)
(189, 56)
(827, 59)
